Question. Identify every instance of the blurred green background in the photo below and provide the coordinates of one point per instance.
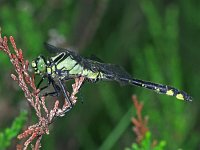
(156, 40)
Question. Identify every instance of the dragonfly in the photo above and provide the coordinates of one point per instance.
(67, 65)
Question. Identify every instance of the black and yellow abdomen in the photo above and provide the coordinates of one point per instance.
(161, 89)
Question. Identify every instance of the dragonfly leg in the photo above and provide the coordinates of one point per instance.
(54, 93)
(49, 82)
(65, 94)
(41, 89)
(38, 85)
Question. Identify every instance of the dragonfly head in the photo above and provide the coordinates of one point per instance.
(39, 65)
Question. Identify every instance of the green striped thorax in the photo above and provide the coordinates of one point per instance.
(64, 65)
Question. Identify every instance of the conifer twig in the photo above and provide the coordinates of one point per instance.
(140, 124)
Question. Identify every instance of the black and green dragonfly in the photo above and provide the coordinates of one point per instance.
(68, 65)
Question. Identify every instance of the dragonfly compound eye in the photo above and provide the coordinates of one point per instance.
(41, 65)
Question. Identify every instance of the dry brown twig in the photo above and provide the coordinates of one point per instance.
(27, 84)
(140, 124)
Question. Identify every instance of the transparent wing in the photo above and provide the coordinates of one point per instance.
(114, 71)
(52, 49)
(110, 71)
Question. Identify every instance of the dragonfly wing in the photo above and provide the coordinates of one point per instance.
(95, 58)
(52, 49)
(111, 71)
(116, 71)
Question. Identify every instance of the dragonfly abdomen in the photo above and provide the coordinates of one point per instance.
(159, 88)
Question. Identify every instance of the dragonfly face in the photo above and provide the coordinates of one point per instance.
(39, 65)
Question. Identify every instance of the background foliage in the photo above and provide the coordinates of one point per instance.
(153, 40)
